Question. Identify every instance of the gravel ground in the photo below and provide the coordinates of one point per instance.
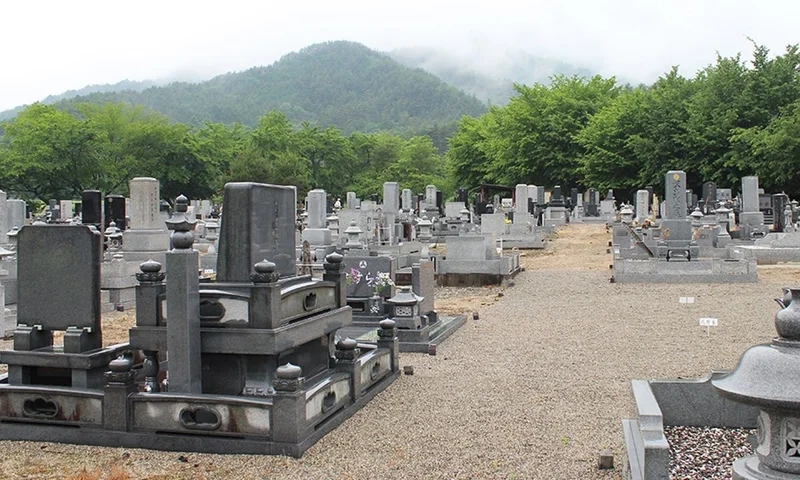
(707, 453)
(534, 389)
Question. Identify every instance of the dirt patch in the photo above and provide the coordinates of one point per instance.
(573, 247)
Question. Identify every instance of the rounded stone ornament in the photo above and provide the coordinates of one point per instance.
(264, 266)
(347, 344)
(334, 257)
(182, 240)
(289, 372)
(121, 364)
(787, 320)
(150, 266)
(388, 324)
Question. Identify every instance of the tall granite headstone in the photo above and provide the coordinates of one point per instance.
(521, 199)
(92, 208)
(258, 224)
(115, 211)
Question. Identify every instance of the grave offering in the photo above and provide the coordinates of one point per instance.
(254, 362)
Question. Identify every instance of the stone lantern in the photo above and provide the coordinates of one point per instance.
(212, 234)
(405, 308)
(697, 217)
(353, 233)
(113, 236)
(465, 216)
(333, 226)
(626, 215)
(425, 229)
(768, 377)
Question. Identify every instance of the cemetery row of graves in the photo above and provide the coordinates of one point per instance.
(260, 326)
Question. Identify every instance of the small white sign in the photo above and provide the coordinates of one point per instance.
(708, 322)
(686, 300)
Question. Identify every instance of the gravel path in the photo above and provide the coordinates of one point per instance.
(534, 389)
(707, 453)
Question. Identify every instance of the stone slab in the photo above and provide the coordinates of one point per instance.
(47, 253)
(258, 222)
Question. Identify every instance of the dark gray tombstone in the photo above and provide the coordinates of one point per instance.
(363, 273)
(439, 201)
(48, 256)
(710, 195)
(92, 207)
(649, 189)
(258, 223)
(573, 196)
(115, 211)
(779, 202)
(556, 198)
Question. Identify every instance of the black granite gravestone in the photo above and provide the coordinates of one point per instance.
(115, 211)
(92, 208)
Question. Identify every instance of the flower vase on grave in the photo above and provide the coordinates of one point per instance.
(375, 304)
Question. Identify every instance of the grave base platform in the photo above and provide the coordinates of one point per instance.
(711, 270)
(36, 430)
(414, 341)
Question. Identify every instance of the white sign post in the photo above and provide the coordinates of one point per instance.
(708, 323)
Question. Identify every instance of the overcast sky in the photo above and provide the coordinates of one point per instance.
(50, 47)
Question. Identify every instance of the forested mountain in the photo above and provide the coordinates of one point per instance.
(132, 85)
(335, 83)
(489, 77)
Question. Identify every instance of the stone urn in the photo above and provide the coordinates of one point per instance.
(768, 377)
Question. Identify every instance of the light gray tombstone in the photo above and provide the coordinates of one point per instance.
(750, 214)
(15, 214)
(317, 232)
(452, 210)
(352, 203)
(4, 217)
(423, 283)
(316, 208)
(675, 195)
(494, 223)
(540, 195)
(532, 193)
(642, 205)
(521, 199)
(146, 233)
(66, 209)
(391, 197)
(391, 206)
(430, 195)
(724, 195)
(407, 200)
(749, 194)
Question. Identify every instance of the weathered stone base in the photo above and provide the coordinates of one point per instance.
(410, 340)
(751, 468)
(710, 270)
(772, 255)
(472, 279)
(174, 437)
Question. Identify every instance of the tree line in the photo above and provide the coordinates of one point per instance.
(733, 118)
(48, 152)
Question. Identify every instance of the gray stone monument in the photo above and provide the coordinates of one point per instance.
(317, 232)
(751, 220)
(676, 228)
(642, 205)
(520, 200)
(146, 238)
